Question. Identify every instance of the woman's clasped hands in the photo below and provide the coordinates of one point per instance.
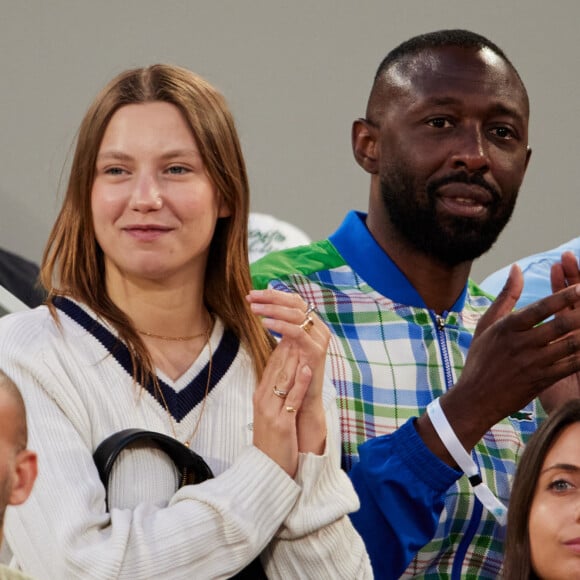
(289, 416)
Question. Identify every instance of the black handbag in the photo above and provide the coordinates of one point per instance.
(191, 466)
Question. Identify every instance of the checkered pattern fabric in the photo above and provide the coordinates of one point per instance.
(390, 356)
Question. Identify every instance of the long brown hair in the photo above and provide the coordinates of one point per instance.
(73, 262)
(518, 557)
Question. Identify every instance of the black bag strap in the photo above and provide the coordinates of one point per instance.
(191, 466)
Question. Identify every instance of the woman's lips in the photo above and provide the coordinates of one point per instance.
(146, 232)
(573, 545)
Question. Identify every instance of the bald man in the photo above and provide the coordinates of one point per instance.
(17, 464)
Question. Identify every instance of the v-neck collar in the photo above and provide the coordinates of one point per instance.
(179, 404)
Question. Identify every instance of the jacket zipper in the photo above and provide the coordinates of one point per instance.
(477, 507)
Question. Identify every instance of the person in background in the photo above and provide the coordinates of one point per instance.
(556, 266)
(431, 435)
(148, 326)
(20, 277)
(544, 273)
(267, 233)
(18, 464)
(543, 531)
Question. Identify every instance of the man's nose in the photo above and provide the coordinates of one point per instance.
(471, 150)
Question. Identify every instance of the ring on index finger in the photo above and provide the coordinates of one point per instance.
(307, 324)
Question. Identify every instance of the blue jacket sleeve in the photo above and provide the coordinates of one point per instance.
(401, 487)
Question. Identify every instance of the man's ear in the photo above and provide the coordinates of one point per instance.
(364, 145)
(528, 155)
(24, 476)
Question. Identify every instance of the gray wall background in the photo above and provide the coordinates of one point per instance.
(295, 74)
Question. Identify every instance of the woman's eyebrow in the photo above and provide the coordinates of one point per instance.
(561, 466)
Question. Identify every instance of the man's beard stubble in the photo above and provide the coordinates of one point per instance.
(449, 239)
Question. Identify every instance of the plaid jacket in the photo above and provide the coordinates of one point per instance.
(389, 357)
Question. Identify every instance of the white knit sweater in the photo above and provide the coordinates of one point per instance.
(78, 393)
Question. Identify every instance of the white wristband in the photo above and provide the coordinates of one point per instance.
(465, 461)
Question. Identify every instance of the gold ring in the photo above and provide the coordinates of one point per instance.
(290, 409)
(307, 324)
(279, 393)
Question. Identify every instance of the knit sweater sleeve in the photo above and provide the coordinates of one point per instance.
(317, 539)
(210, 530)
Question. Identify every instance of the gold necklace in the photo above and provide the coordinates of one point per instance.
(176, 338)
(185, 476)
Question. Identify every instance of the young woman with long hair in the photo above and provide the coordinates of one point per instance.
(150, 323)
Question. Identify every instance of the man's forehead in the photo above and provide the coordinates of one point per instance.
(450, 70)
(450, 64)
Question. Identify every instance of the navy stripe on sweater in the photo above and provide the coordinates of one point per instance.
(179, 404)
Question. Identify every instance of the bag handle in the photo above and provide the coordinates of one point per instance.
(191, 466)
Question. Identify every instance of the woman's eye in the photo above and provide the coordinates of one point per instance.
(560, 485)
(114, 171)
(177, 170)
